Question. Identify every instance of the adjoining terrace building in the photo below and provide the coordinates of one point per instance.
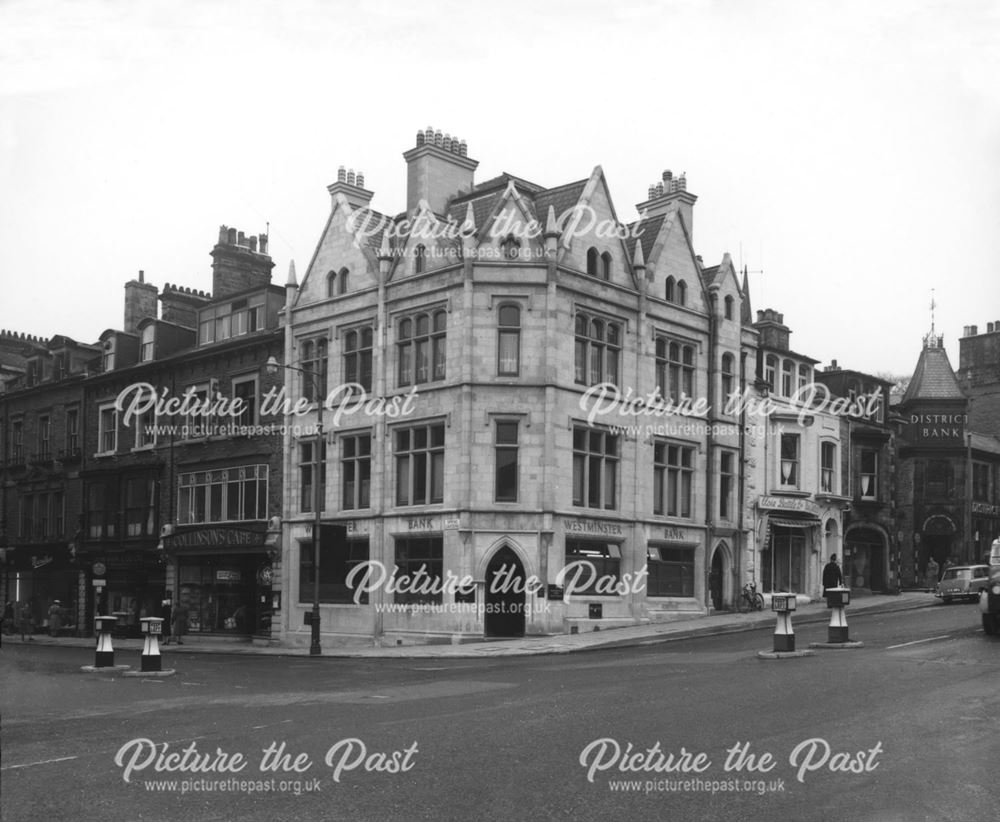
(503, 473)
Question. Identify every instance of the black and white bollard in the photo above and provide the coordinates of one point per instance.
(784, 635)
(837, 637)
(836, 599)
(152, 628)
(104, 656)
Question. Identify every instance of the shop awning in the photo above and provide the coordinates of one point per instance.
(803, 523)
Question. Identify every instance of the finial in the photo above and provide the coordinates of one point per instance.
(291, 274)
(638, 259)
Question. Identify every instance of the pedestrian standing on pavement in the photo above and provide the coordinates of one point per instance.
(180, 622)
(932, 573)
(25, 619)
(832, 577)
(55, 617)
(167, 626)
(8, 618)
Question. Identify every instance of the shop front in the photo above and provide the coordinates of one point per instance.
(789, 543)
(38, 577)
(222, 576)
(127, 585)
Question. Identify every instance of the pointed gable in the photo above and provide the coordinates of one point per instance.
(348, 244)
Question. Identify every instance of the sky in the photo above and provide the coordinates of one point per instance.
(847, 153)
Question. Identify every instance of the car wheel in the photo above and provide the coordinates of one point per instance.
(990, 624)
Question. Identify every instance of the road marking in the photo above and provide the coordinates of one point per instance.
(918, 641)
(32, 764)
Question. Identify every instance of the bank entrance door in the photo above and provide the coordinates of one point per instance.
(504, 599)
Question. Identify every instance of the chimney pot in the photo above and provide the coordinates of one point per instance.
(241, 239)
(341, 175)
(659, 189)
(833, 363)
(438, 138)
(142, 276)
(231, 237)
(360, 181)
(420, 138)
(651, 193)
(350, 177)
(223, 233)
(989, 328)
(446, 144)
(667, 175)
(463, 148)
(253, 244)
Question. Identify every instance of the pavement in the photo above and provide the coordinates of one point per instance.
(649, 634)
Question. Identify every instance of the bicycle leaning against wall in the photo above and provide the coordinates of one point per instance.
(749, 599)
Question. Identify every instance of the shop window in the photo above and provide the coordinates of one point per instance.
(338, 557)
(783, 561)
(421, 561)
(601, 564)
(673, 479)
(598, 349)
(670, 571)
(674, 369)
(356, 471)
(595, 468)
(419, 453)
(505, 455)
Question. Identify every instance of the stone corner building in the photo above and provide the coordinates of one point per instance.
(504, 473)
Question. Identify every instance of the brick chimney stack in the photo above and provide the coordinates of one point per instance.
(773, 331)
(239, 263)
(140, 303)
(437, 169)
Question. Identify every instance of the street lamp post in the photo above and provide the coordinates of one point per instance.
(272, 368)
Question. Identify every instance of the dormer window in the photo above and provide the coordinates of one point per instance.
(33, 373)
(146, 339)
(108, 355)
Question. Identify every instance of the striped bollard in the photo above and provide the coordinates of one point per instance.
(784, 635)
(104, 656)
(151, 660)
(836, 599)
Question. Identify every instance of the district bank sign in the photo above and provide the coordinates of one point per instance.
(937, 428)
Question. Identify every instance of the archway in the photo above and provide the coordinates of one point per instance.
(866, 558)
(720, 583)
(505, 595)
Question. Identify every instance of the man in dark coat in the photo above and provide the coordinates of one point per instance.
(832, 578)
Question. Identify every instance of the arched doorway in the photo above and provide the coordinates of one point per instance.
(505, 596)
(716, 579)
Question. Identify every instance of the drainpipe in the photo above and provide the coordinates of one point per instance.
(713, 300)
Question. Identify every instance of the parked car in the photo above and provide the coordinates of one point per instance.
(963, 582)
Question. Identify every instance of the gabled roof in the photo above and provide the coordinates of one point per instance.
(933, 378)
(645, 231)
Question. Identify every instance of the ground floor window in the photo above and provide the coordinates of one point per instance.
(421, 562)
(221, 594)
(783, 561)
(670, 571)
(600, 569)
(338, 557)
